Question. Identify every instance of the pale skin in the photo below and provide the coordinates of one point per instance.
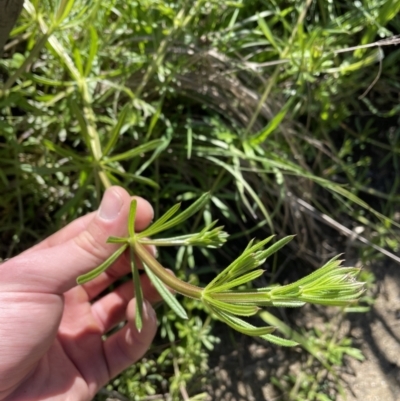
(52, 344)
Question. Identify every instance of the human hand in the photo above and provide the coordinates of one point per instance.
(51, 330)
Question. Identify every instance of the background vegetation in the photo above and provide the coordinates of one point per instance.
(287, 111)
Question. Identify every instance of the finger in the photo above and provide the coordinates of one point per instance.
(111, 309)
(128, 345)
(55, 269)
(74, 228)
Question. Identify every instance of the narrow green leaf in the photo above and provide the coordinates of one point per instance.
(287, 304)
(275, 247)
(132, 216)
(332, 301)
(303, 340)
(241, 182)
(117, 240)
(154, 228)
(262, 136)
(329, 267)
(267, 32)
(211, 239)
(47, 81)
(130, 176)
(146, 147)
(114, 135)
(279, 340)
(103, 267)
(242, 326)
(247, 261)
(189, 212)
(144, 164)
(156, 116)
(94, 44)
(235, 309)
(78, 59)
(76, 110)
(64, 10)
(255, 247)
(183, 216)
(235, 283)
(138, 292)
(165, 293)
(63, 152)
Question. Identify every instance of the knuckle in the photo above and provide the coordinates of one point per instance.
(91, 245)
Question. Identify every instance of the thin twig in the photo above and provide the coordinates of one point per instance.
(393, 40)
(373, 82)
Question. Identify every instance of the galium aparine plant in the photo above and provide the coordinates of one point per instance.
(331, 284)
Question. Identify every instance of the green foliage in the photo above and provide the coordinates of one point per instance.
(271, 107)
(329, 285)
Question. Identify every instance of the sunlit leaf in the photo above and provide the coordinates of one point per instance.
(262, 136)
(183, 216)
(235, 309)
(242, 326)
(236, 282)
(154, 228)
(165, 293)
(283, 342)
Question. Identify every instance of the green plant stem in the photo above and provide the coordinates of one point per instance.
(94, 139)
(171, 281)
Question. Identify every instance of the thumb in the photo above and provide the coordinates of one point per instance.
(55, 269)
